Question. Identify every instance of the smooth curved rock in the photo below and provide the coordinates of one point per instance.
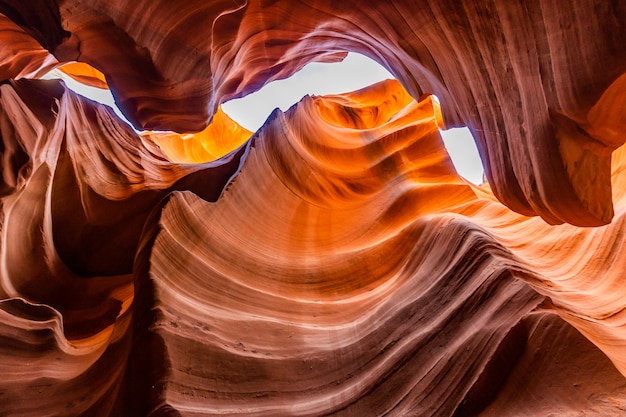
(219, 138)
(502, 68)
(334, 263)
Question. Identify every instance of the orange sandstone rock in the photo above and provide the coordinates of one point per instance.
(334, 263)
(85, 74)
(222, 136)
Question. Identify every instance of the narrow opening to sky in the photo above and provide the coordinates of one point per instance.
(354, 72)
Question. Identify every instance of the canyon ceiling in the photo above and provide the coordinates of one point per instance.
(333, 262)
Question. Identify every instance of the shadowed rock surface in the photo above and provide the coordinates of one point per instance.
(334, 263)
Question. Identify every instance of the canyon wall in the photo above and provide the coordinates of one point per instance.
(333, 262)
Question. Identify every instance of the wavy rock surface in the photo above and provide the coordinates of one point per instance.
(335, 263)
(530, 80)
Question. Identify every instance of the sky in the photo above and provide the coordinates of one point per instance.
(355, 72)
(96, 94)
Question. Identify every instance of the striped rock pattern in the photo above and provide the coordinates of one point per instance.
(334, 263)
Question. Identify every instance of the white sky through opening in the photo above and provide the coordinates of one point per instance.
(354, 72)
(100, 95)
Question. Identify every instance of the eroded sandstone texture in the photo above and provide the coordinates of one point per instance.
(334, 263)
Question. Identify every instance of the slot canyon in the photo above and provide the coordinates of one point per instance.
(333, 262)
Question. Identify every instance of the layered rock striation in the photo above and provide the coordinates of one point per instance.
(334, 263)
(533, 82)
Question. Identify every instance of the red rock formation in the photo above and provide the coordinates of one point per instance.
(335, 263)
(522, 77)
(219, 138)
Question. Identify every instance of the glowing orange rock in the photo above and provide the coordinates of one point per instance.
(85, 74)
(336, 306)
(222, 136)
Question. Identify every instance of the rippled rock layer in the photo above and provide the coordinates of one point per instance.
(334, 263)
